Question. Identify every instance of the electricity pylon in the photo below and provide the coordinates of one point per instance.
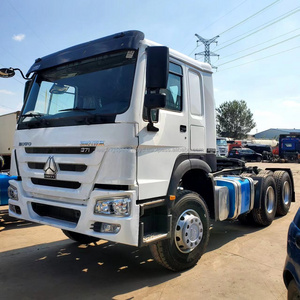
(207, 53)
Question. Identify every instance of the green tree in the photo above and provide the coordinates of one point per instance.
(234, 119)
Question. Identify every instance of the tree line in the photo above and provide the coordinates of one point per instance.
(234, 119)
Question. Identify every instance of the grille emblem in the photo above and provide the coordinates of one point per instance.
(50, 168)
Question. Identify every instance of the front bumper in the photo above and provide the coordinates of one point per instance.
(79, 217)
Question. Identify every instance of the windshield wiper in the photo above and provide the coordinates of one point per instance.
(35, 115)
(77, 109)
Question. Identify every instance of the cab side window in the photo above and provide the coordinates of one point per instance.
(173, 92)
(174, 89)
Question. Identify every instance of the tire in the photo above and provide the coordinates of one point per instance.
(265, 215)
(80, 238)
(284, 192)
(258, 159)
(293, 292)
(189, 234)
(265, 172)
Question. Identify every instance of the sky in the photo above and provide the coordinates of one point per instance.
(258, 44)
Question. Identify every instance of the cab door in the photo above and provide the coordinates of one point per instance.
(158, 151)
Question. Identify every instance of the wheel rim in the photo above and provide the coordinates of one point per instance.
(270, 199)
(286, 191)
(188, 231)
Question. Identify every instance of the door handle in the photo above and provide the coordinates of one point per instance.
(182, 128)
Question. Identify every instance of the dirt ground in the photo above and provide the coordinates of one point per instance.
(241, 262)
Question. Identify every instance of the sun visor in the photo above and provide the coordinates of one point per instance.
(120, 41)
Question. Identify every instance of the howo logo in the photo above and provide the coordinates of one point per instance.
(50, 168)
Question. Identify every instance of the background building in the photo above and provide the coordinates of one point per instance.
(273, 133)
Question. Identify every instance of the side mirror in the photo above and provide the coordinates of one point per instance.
(7, 72)
(157, 67)
(10, 72)
(157, 73)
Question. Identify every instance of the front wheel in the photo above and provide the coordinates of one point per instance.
(189, 234)
(80, 238)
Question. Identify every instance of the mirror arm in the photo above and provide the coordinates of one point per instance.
(17, 69)
(150, 126)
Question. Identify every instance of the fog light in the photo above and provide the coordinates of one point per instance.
(15, 209)
(110, 228)
(118, 207)
(12, 193)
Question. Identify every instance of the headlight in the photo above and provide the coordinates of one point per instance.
(12, 193)
(118, 207)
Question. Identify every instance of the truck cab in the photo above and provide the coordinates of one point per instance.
(289, 147)
(222, 147)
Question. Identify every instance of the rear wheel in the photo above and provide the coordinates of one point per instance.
(189, 234)
(80, 238)
(284, 192)
(265, 215)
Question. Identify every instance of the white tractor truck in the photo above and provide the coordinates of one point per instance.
(117, 140)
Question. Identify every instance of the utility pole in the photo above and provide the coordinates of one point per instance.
(207, 53)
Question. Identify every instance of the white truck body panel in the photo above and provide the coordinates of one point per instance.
(7, 130)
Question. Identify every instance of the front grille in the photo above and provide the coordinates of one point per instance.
(56, 183)
(116, 187)
(60, 213)
(60, 150)
(62, 167)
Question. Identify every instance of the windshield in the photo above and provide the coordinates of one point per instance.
(90, 91)
(221, 142)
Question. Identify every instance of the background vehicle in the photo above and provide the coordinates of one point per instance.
(8, 124)
(264, 150)
(291, 273)
(289, 147)
(222, 147)
(4, 179)
(245, 154)
(108, 146)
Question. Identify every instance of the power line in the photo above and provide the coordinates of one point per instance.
(226, 14)
(27, 24)
(284, 16)
(13, 56)
(247, 19)
(261, 50)
(259, 44)
(249, 62)
(193, 50)
(214, 23)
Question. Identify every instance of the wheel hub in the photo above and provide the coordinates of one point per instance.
(188, 231)
(270, 199)
(286, 193)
